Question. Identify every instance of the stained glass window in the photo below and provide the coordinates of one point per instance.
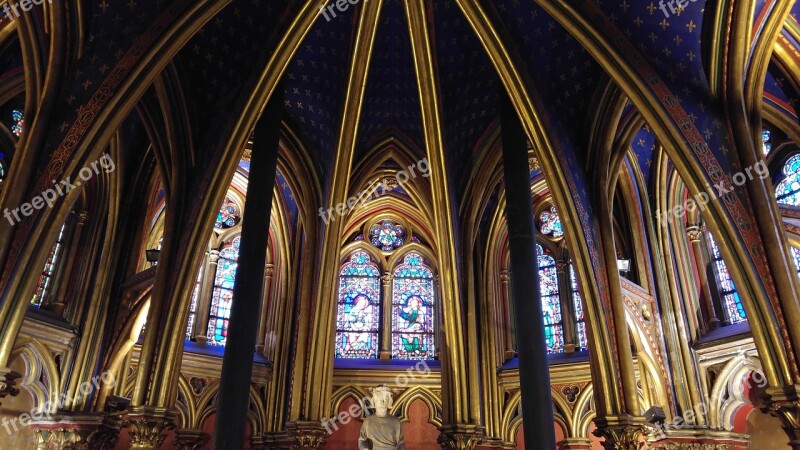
(193, 308)
(550, 223)
(46, 278)
(222, 295)
(766, 142)
(19, 122)
(358, 311)
(228, 215)
(387, 235)
(412, 309)
(796, 258)
(727, 291)
(580, 317)
(788, 190)
(551, 304)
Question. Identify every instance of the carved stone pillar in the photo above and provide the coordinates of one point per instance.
(386, 309)
(567, 310)
(190, 439)
(507, 319)
(307, 435)
(620, 433)
(575, 444)
(204, 297)
(58, 302)
(269, 272)
(695, 234)
(147, 426)
(461, 436)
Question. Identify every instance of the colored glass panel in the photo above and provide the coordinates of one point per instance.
(550, 223)
(387, 235)
(358, 308)
(788, 190)
(44, 284)
(19, 122)
(222, 295)
(766, 142)
(228, 215)
(727, 290)
(413, 309)
(796, 258)
(551, 304)
(193, 308)
(580, 317)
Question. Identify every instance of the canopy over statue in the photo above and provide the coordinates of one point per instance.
(381, 431)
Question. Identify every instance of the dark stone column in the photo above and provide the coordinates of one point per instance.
(534, 372)
(237, 364)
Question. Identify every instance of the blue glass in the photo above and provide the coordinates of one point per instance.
(358, 309)
(19, 122)
(766, 142)
(550, 223)
(413, 309)
(387, 235)
(551, 304)
(580, 318)
(787, 191)
(727, 290)
(222, 293)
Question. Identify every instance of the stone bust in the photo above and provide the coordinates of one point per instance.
(381, 431)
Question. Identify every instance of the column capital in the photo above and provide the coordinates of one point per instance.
(307, 435)
(269, 270)
(147, 426)
(83, 216)
(461, 436)
(784, 403)
(505, 275)
(213, 256)
(77, 430)
(621, 433)
(695, 232)
(7, 382)
(386, 278)
(189, 439)
(562, 265)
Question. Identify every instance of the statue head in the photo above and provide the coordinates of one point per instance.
(382, 400)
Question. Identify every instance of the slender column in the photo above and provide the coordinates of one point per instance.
(59, 300)
(386, 314)
(269, 271)
(508, 320)
(204, 297)
(567, 311)
(237, 363)
(534, 371)
(695, 234)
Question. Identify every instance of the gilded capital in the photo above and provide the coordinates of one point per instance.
(461, 436)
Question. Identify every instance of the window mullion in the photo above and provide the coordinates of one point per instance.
(386, 316)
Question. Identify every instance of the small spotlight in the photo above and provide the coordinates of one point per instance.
(623, 265)
(152, 255)
(655, 415)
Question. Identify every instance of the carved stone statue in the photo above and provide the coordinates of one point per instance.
(381, 431)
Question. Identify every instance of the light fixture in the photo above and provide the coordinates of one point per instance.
(623, 265)
(655, 415)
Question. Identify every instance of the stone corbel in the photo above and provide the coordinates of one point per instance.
(307, 435)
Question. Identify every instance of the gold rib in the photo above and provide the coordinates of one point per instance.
(321, 362)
